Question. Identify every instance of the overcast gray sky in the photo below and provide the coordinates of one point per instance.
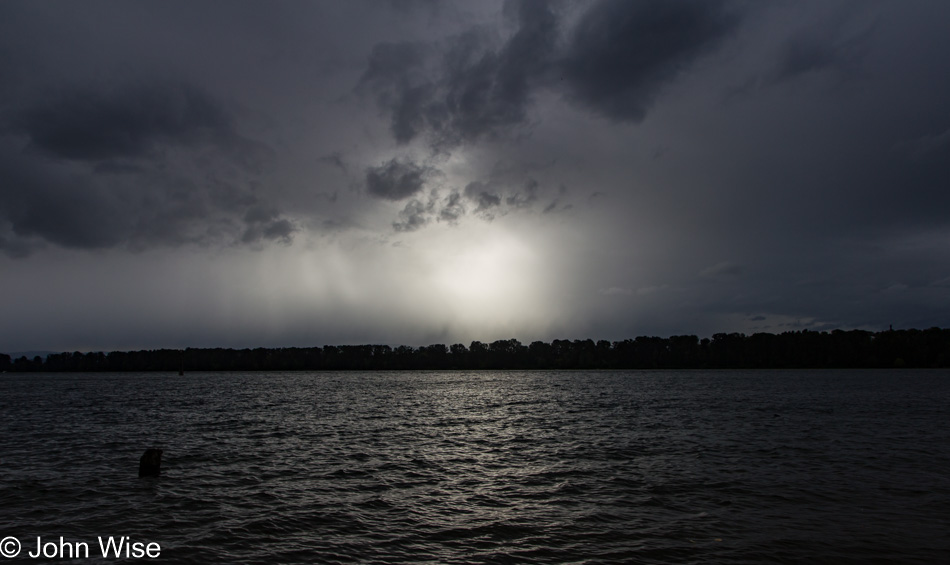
(244, 174)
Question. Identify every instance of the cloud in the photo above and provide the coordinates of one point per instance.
(413, 216)
(472, 91)
(138, 166)
(489, 92)
(525, 197)
(479, 193)
(396, 180)
(395, 71)
(45, 204)
(463, 89)
(265, 224)
(622, 52)
(452, 208)
(416, 214)
(484, 198)
(124, 122)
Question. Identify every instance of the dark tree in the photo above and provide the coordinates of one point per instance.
(799, 349)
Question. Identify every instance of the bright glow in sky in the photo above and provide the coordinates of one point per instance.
(487, 277)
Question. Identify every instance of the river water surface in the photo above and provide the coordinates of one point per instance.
(483, 467)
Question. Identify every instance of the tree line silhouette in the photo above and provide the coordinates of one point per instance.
(799, 349)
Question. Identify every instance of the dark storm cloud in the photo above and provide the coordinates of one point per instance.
(483, 196)
(396, 180)
(413, 216)
(622, 52)
(526, 197)
(616, 59)
(48, 204)
(463, 89)
(396, 72)
(474, 91)
(488, 92)
(40, 204)
(126, 122)
(140, 165)
(264, 223)
(486, 199)
(417, 214)
(452, 208)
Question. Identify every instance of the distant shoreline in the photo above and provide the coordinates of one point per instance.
(801, 349)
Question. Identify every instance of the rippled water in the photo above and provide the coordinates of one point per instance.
(488, 467)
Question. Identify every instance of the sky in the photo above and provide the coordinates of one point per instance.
(245, 174)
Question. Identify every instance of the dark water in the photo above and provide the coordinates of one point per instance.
(493, 467)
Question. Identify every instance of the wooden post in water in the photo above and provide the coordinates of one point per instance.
(150, 465)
